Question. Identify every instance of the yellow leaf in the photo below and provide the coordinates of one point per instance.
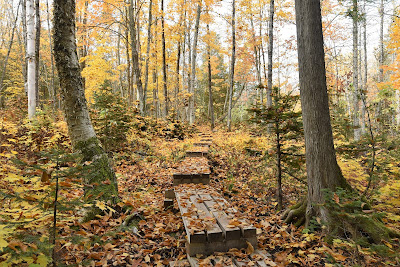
(42, 260)
(101, 205)
(3, 244)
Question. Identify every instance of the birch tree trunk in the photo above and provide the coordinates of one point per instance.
(30, 55)
(365, 79)
(381, 51)
(356, 119)
(101, 183)
(270, 51)
(52, 85)
(232, 68)
(194, 55)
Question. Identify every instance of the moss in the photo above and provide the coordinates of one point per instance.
(100, 180)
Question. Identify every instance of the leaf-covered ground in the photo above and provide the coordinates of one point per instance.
(139, 232)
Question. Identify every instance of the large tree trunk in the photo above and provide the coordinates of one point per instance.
(356, 117)
(30, 55)
(165, 85)
(232, 68)
(323, 172)
(270, 51)
(101, 183)
(194, 55)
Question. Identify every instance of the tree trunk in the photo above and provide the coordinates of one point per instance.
(30, 55)
(194, 55)
(270, 51)
(165, 85)
(37, 48)
(356, 119)
(52, 85)
(323, 172)
(232, 68)
(210, 96)
(8, 51)
(365, 80)
(25, 37)
(135, 58)
(101, 183)
(381, 51)
(256, 58)
(146, 71)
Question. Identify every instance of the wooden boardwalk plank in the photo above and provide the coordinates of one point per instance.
(230, 233)
(189, 215)
(214, 232)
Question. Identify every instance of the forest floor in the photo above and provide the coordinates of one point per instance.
(242, 170)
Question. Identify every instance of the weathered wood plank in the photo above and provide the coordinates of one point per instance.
(230, 233)
(213, 231)
(189, 214)
(180, 263)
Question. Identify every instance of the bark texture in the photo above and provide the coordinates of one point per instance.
(30, 55)
(356, 98)
(270, 51)
(165, 88)
(232, 68)
(101, 180)
(323, 171)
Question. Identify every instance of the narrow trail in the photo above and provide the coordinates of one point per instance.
(212, 225)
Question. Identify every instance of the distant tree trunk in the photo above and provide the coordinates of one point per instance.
(52, 84)
(232, 68)
(30, 54)
(365, 80)
(183, 113)
(4, 70)
(121, 82)
(25, 37)
(165, 85)
(135, 58)
(146, 72)
(210, 95)
(128, 59)
(101, 184)
(381, 51)
(83, 51)
(270, 51)
(178, 58)
(189, 81)
(256, 57)
(356, 117)
(323, 172)
(194, 55)
(37, 48)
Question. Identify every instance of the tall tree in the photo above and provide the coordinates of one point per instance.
(37, 48)
(146, 72)
(193, 61)
(323, 172)
(232, 67)
(101, 183)
(135, 55)
(30, 55)
(210, 95)
(165, 85)
(356, 99)
(270, 51)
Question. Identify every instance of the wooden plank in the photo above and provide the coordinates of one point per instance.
(188, 214)
(222, 261)
(231, 233)
(168, 203)
(213, 231)
(169, 193)
(247, 230)
(202, 144)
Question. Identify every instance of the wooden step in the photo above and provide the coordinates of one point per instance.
(208, 226)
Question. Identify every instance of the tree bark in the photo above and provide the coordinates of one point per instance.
(37, 48)
(52, 85)
(232, 68)
(165, 85)
(9, 51)
(146, 71)
(323, 172)
(135, 58)
(381, 51)
(30, 55)
(194, 55)
(100, 183)
(356, 119)
(210, 95)
(270, 51)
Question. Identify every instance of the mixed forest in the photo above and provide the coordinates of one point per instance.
(293, 106)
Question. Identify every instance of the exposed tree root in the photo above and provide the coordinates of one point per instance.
(355, 225)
